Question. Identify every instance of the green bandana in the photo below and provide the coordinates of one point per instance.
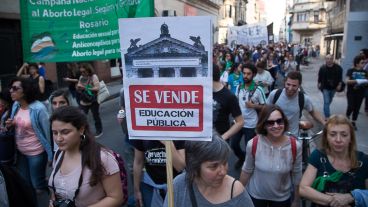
(88, 89)
(320, 182)
(228, 64)
(251, 87)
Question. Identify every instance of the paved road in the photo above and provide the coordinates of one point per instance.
(338, 106)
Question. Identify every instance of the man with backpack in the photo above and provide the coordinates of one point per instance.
(251, 100)
(292, 101)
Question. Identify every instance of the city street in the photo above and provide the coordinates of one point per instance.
(114, 138)
(338, 106)
(165, 52)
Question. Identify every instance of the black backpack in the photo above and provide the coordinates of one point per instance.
(300, 99)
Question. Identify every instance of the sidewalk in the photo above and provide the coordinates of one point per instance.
(338, 106)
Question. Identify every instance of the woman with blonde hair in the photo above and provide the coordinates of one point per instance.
(336, 169)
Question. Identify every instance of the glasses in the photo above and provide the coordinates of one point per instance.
(15, 88)
(271, 123)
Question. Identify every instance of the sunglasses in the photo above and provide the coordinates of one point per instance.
(15, 88)
(271, 123)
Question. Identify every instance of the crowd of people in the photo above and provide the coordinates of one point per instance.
(257, 100)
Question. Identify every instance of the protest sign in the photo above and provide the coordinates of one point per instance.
(252, 35)
(75, 30)
(167, 67)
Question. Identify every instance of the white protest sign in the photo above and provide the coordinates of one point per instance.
(167, 67)
(252, 34)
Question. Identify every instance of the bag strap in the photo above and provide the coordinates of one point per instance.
(301, 103)
(254, 146)
(277, 95)
(293, 147)
(57, 168)
(192, 196)
(232, 189)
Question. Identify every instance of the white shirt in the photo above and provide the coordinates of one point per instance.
(264, 77)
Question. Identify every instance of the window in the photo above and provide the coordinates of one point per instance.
(316, 16)
(228, 11)
(302, 17)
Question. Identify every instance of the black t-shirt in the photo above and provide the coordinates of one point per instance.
(224, 104)
(35, 82)
(354, 74)
(155, 158)
(330, 77)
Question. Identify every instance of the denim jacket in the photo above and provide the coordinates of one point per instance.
(360, 197)
(40, 123)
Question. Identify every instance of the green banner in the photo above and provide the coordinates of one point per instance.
(76, 30)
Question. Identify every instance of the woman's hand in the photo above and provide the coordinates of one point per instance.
(9, 123)
(339, 199)
(138, 198)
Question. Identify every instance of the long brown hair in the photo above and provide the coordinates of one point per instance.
(90, 149)
(341, 120)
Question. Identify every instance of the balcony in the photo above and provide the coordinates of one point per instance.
(337, 21)
(308, 25)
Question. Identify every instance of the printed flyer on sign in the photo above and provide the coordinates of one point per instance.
(167, 70)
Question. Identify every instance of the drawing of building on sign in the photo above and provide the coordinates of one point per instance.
(166, 57)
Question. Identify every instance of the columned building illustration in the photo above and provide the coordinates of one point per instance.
(166, 57)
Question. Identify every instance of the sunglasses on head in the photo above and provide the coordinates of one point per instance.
(272, 122)
(15, 88)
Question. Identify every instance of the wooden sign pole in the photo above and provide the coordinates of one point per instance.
(169, 173)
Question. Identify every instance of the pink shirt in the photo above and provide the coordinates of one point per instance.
(26, 139)
(66, 184)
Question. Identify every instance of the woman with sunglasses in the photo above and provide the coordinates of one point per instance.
(273, 162)
(32, 133)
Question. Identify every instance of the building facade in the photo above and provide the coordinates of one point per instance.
(232, 13)
(355, 31)
(308, 22)
(334, 32)
(191, 8)
(255, 11)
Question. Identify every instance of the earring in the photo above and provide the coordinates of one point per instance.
(83, 137)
